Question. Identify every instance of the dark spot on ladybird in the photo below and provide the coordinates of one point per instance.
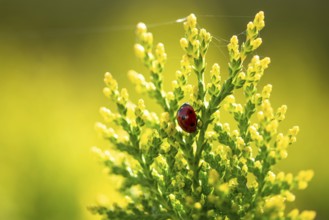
(183, 117)
(189, 111)
(192, 124)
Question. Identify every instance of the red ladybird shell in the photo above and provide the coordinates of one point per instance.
(186, 118)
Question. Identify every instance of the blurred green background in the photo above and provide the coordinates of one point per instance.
(53, 55)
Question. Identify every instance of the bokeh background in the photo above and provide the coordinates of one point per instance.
(53, 55)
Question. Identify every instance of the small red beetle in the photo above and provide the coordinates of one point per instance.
(186, 118)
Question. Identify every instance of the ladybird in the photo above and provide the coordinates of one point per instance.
(186, 118)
